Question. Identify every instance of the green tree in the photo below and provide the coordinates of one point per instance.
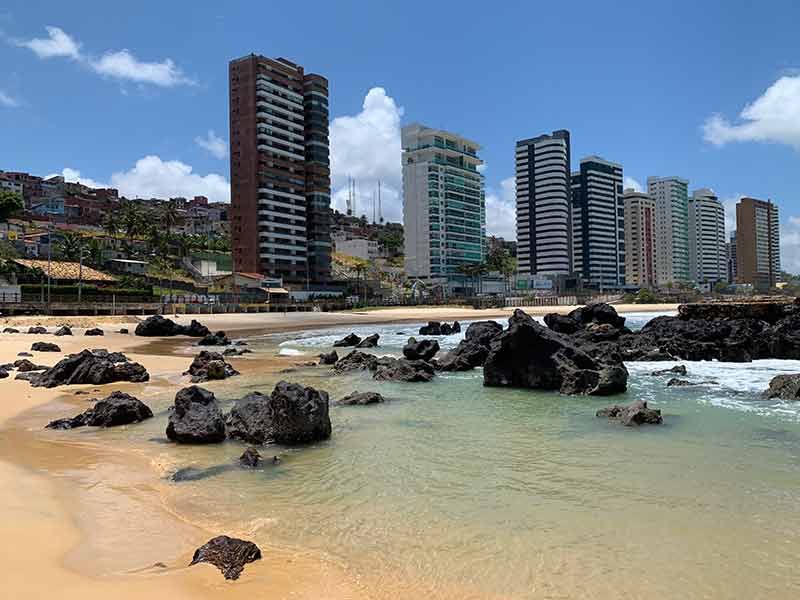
(169, 215)
(70, 246)
(10, 202)
(94, 252)
(132, 220)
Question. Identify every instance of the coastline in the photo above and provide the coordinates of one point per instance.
(77, 533)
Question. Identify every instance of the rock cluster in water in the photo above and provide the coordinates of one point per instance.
(530, 355)
(88, 367)
(63, 330)
(386, 368)
(361, 399)
(94, 331)
(420, 350)
(291, 414)
(785, 387)
(117, 409)
(351, 339)
(472, 351)
(214, 339)
(228, 554)
(636, 413)
(209, 366)
(437, 328)
(158, 326)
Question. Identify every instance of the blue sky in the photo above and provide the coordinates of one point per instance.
(129, 95)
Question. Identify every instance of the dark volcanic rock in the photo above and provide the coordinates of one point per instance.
(432, 328)
(123, 330)
(117, 409)
(45, 347)
(675, 382)
(600, 313)
(328, 358)
(350, 339)
(250, 458)
(196, 418)
(208, 366)
(114, 357)
(356, 361)
(23, 365)
(292, 414)
(31, 376)
(63, 330)
(215, 339)
(158, 326)
(3, 373)
(10, 330)
(228, 554)
(37, 329)
(636, 413)
(420, 350)
(785, 387)
(236, 351)
(677, 369)
(86, 367)
(402, 369)
(371, 341)
(530, 355)
(771, 312)
(94, 331)
(24, 354)
(472, 351)
(561, 323)
(361, 399)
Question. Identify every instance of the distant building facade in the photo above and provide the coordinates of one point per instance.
(672, 227)
(708, 258)
(758, 258)
(640, 239)
(444, 213)
(544, 231)
(280, 170)
(358, 247)
(598, 228)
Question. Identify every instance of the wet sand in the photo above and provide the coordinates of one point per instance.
(64, 537)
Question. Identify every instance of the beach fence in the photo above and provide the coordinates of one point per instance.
(573, 300)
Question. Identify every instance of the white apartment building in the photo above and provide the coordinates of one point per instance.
(598, 229)
(444, 213)
(708, 255)
(672, 227)
(357, 247)
(640, 239)
(544, 232)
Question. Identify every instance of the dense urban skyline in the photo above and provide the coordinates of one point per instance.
(658, 107)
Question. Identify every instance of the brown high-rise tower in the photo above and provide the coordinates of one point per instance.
(280, 170)
(758, 251)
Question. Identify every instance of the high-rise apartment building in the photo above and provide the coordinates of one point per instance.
(708, 257)
(732, 257)
(598, 230)
(672, 227)
(280, 170)
(444, 214)
(640, 239)
(758, 257)
(544, 231)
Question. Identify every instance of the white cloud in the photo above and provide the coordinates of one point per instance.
(482, 168)
(366, 147)
(501, 210)
(7, 100)
(772, 117)
(123, 65)
(790, 245)
(214, 144)
(74, 176)
(152, 177)
(120, 64)
(631, 183)
(57, 44)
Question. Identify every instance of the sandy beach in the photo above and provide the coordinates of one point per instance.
(62, 539)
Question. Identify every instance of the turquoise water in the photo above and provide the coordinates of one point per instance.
(487, 492)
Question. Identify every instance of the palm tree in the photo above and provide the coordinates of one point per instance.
(111, 226)
(131, 220)
(95, 252)
(169, 215)
(70, 246)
